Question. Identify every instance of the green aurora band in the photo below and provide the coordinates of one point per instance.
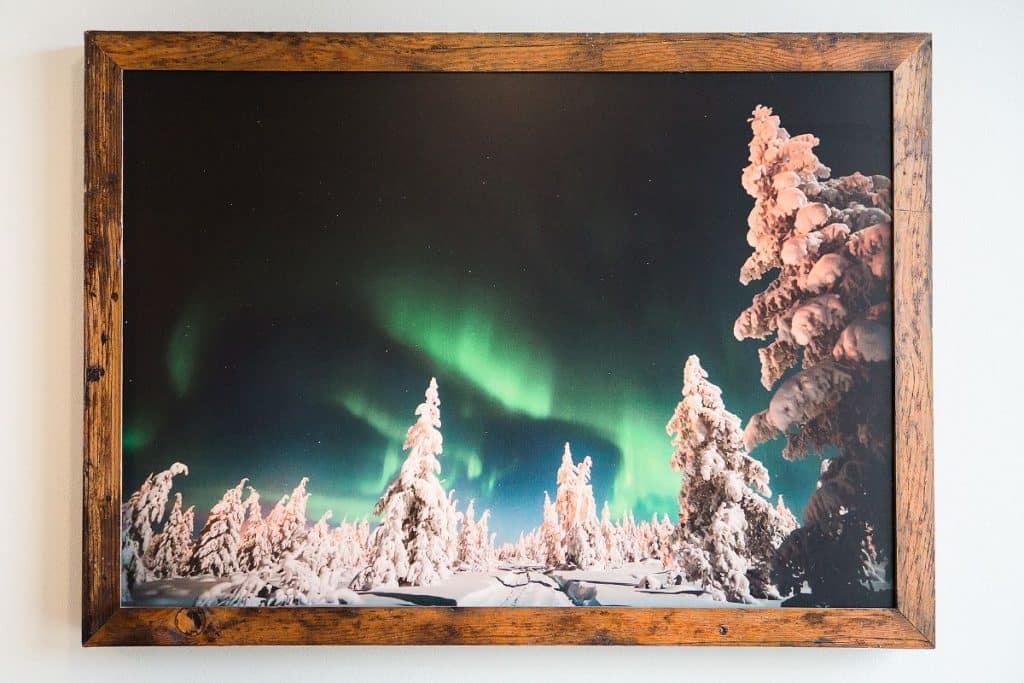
(183, 348)
(460, 460)
(484, 341)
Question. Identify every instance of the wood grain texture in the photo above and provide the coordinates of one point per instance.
(509, 626)
(912, 285)
(102, 372)
(508, 51)
(907, 56)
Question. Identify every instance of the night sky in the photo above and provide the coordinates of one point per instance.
(304, 251)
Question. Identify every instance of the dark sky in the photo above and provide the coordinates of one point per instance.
(304, 251)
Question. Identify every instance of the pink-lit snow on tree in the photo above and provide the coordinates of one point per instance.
(728, 532)
(254, 548)
(551, 543)
(286, 524)
(610, 536)
(577, 513)
(216, 550)
(475, 546)
(827, 309)
(488, 554)
(630, 540)
(287, 562)
(415, 543)
(144, 508)
(317, 548)
(172, 547)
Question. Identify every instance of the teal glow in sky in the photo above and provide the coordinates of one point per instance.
(304, 251)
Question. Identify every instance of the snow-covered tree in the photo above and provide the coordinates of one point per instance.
(346, 546)
(172, 547)
(362, 532)
(828, 308)
(144, 508)
(472, 553)
(610, 535)
(524, 549)
(506, 553)
(216, 550)
(727, 530)
(551, 542)
(488, 555)
(647, 538)
(253, 512)
(289, 581)
(664, 532)
(566, 488)
(254, 548)
(415, 543)
(286, 524)
(317, 548)
(629, 538)
(577, 512)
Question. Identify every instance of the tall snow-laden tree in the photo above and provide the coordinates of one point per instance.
(728, 531)
(254, 548)
(488, 554)
(647, 538)
(612, 542)
(216, 551)
(144, 508)
(172, 547)
(629, 537)
(551, 541)
(664, 531)
(317, 548)
(253, 512)
(471, 550)
(829, 243)
(415, 543)
(577, 512)
(286, 524)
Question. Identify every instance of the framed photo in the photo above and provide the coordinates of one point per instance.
(508, 339)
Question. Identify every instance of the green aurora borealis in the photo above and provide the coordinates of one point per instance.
(303, 252)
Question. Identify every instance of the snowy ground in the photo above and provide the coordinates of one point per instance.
(504, 587)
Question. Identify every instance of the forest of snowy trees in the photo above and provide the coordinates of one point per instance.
(827, 243)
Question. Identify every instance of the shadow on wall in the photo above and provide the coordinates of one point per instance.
(52, 565)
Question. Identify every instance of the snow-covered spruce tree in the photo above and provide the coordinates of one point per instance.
(829, 242)
(304, 575)
(664, 531)
(629, 538)
(286, 523)
(647, 538)
(303, 566)
(254, 547)
(362, 531)
(349, 544)
(728, 531)
(253, 512)
(577, 512)
(612, 542)
(522, 549)
(470, 550)
(172, 547)
(144, 508)
(552, 546)
(317, 549)
(488, 554)
(216, 550)
(507, 553)
(415, 543)
(566, 488)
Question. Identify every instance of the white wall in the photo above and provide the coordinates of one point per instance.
(978, 325)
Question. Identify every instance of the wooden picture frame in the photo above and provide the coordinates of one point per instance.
(911, 624)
